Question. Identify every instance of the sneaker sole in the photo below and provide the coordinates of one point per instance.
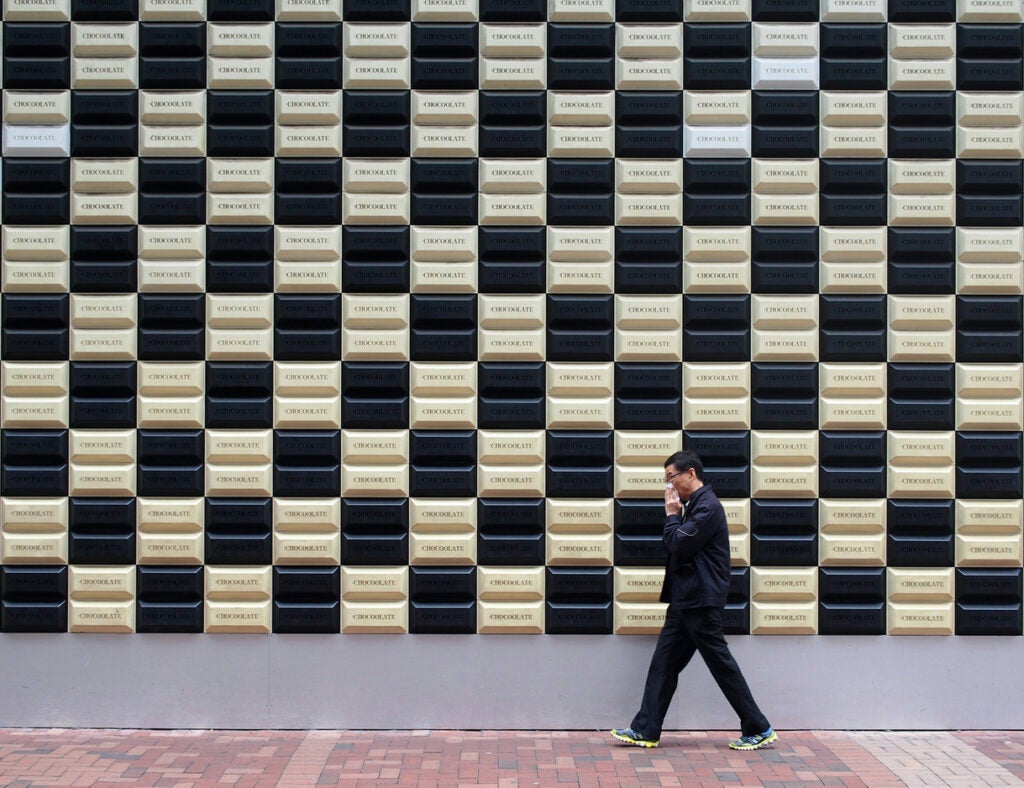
(645, 744)
(766, 743)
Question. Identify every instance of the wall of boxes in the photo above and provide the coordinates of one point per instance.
(381, 316)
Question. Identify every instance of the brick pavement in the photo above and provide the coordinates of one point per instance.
(449, 759)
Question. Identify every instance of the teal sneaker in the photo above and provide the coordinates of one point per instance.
(755, 742)
(633, 737)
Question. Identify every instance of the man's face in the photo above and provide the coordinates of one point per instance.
(684, 482)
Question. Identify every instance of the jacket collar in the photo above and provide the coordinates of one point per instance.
(697, 494)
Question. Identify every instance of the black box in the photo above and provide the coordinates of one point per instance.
(442, 463)
(169, 599)
(101, 531)
(716, 328)
(103, 394)
(34, 598)
(919, 533)
(171, 464)
(921, 397)
(638, 530)
(511, 395)
(375, 395)
(239, 531)
(510, 532)
(374, 531)
(307, 599)
(783, 396)
(783, 532)
(307, 463)
(580, 464)
(35, 327)
(443, 327)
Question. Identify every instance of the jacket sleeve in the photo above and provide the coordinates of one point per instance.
(684, 538)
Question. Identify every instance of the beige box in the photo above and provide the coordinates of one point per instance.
(167, 276)
(920, 619)
(449, 109)
(104, 176)
(990, 143)
(375, 176)
(374, 583)
(172, 140)
(449, 244)
(510, 584)
(921, 177)
(649, 209)
(842, 516)
(716, 108)
(989, 414)
(511, 618)
(375, 311)
(590, 413)
(716, 10)
(921, 482)
(783, 618)
(240, 617)
(374, 617)
(172, 243)
(103, 209)
(716, 413)
(34, 548)
(456, 141)
(375, 209)
(176, 412)
(579, 379)
(638, 618)
(922, 41)
(239, 446)
(638, 585)
(990, 245)
(639, 481)
(989, 109)
(921, 313)
(36, 244)
(724, 380)
(177, 108)
(102, 447)
(442, 515)
(579, 517)
(739, 548)
(172, 10)
(37, 108)
(853, 11)
(783, 585)
(702, 277)
(989, 517)
(447, 412)
(989, 380)
(853, 142)
(933, 210)
(238, 480)
(170, 514)
(649, 74)
(853, 245)
(519, 447)
(34, 411)
(315, 515)
(511, 311)
(101, 583)
(170, 378)
(922, 345)
(240, 311)
(999, 550)
(309, 549)
(781, 176)
(520, 345)
(298, 379)
(648, 313)
(240, 40)
(584, 108)
(307, 244)
(784, 312)
(101, 616)
(649, 41)
(184, 549)
(307, 277)
(240, 208)
(375, 481)
(308, 141)
(444, 10)
(510, 176)
(1000, 278)
(581, 142)
(239, 344)
(240, 176)
(921, 449)
(784, 345)
(987, 11)
(430, 379)
(580, 244)
(785, 40)
(509, 74)
(784, 482)
(510, 481)
(518, 209)
(36, 379)
(103, 343)
(579, 549)
(938, 74)
(108, 72)
(580, 277)
(309, 10)
(780, 449)
(238, 583)
(36, 277)
(581, 10)
(377, 73)
(309, 108)
(513, 41)
(641, 176)
(646, 448)
(851, 549)
(434, 549)
(381, 447)
(443, 278)
(853, 108)
(852, 277)
(35, 530)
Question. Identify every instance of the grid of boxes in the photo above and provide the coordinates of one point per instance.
(381, 316)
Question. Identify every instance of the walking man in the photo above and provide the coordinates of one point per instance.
(696, 585)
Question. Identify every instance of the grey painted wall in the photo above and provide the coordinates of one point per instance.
(494, 681)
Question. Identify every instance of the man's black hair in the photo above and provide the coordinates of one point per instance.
(684, 460)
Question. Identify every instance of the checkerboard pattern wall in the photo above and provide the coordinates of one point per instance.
(351, 316)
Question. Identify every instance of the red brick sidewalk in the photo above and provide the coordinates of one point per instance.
(443, 759)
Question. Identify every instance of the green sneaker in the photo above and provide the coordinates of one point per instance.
(631, 736)
(755, 742)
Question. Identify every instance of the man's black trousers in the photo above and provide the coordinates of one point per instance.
(686, 631)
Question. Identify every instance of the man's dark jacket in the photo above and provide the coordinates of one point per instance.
(697, 570)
